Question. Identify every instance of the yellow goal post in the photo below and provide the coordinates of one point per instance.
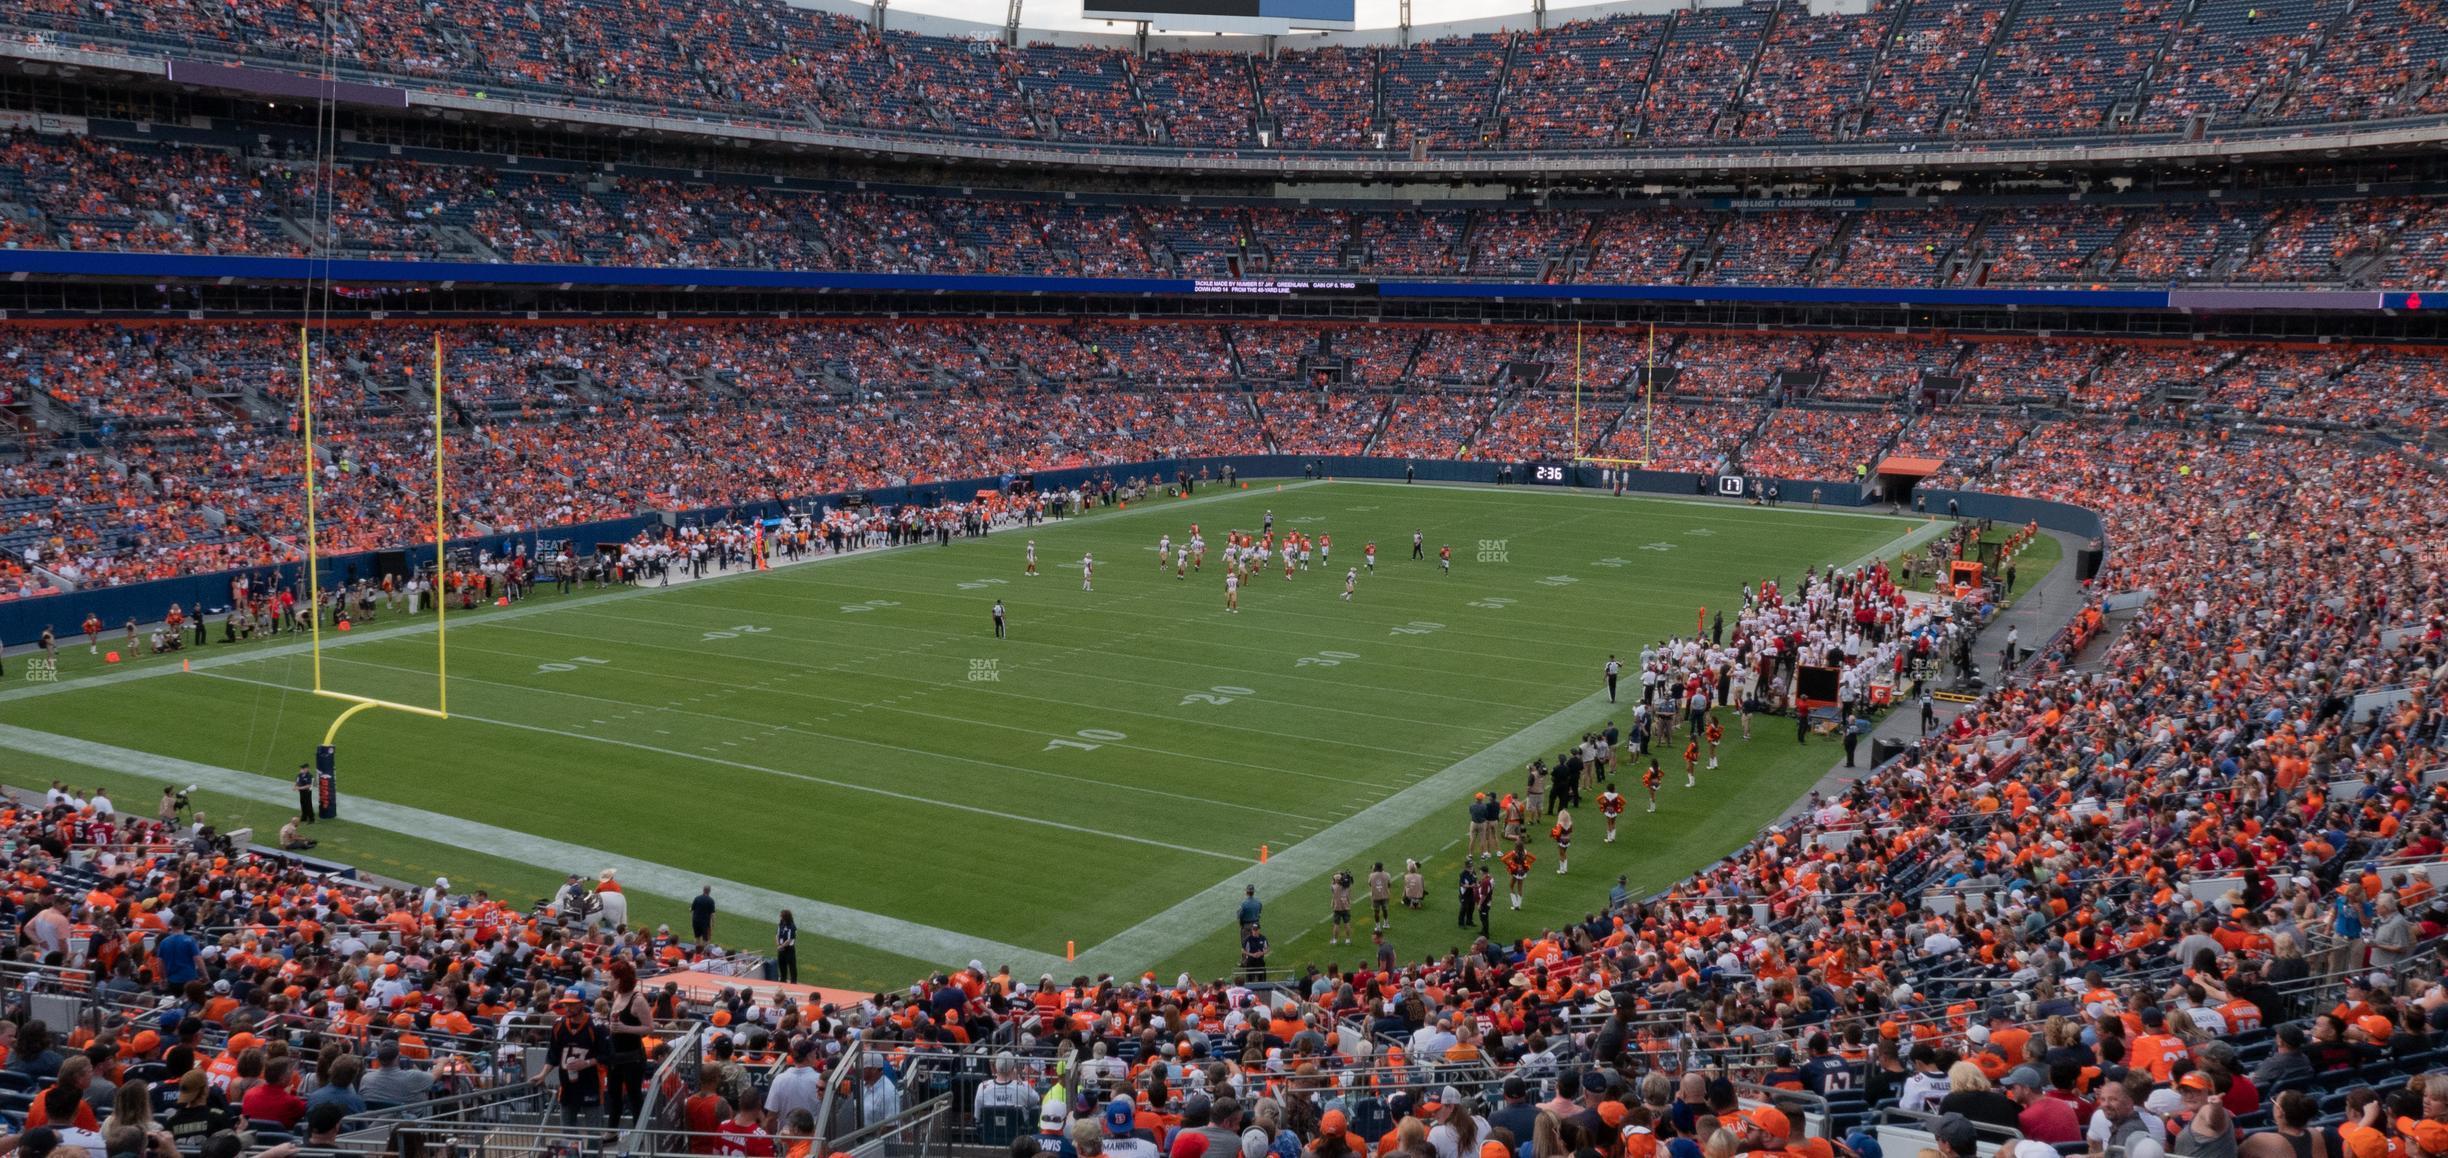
(325, 754)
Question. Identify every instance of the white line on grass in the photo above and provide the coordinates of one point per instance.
(888, 703)
(795, 729)
(952, 805)
(137, 671)
(1273, 733)
(1166, 933)
(1184, 924)
(890, 934)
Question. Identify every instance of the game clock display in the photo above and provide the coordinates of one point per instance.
(1552, 474)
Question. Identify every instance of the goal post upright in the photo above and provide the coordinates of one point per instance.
(1648, 411)
(326, 754)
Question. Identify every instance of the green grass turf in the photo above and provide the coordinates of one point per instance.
(1134, 745)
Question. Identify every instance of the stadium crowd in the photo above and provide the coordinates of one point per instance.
(82, 193)
(1968, 68)
(2174, 898)
(175, 453)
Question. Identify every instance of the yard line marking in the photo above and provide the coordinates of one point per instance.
(891, 934)
(1271, 733)
(951, 805)
(830, 700)
(779, 728)
(1169, 932)
(1184, 924)
(1272, 674)
(598, 596)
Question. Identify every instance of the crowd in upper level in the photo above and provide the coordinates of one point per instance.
(1765, 72)
(91, 194)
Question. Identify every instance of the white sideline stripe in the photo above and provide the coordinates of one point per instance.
(1179, 927)
(844, 785)
(891, 934)
(373, 634)
(1186, 923)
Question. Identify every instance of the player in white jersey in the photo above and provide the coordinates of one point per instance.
(1351, 579)
(1164, 549)
(1087, 572)
(1032, 558)
(1232, 593)
(1198, 552)
(1181, 562)
(1288, 560)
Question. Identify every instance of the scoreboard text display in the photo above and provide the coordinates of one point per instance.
(1547, 473)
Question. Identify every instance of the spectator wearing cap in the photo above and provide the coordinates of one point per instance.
(577, 1049)
(2361, 1141)
(1455, 1131)
(1217, 1119)
(1120, 1136)
(2286, 1061)
(800, 1087)
(2155, 1050)
(1335, 1139)
(2209, 1130)
(390, 1081)
(879, 1097)
(1517, 1116)
(2039, 1116)
(1761, 1130)
(1957, 1137)
(2423, 1137)
(1053, 1126)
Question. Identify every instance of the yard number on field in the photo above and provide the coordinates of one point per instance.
(1558, 581)
(736, 632)
(979, 585)
(1325, 659)
(572, 665)
(1090, 739)
(1219, 694)
(1491, 603)
(870, 605)
(1417, 627)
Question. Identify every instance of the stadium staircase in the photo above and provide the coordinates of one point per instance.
(1728, 121)
(2127, 107)
(1969, 103)
(1491, 126)
(1385, 417)
(2272, 102)
(1261, 117)
(1851, 121)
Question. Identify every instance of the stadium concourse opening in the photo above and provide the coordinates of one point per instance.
(1833, 580)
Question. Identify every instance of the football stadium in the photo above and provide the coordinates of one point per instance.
(1253, 578)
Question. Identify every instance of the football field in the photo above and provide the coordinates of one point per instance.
(847, 738)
